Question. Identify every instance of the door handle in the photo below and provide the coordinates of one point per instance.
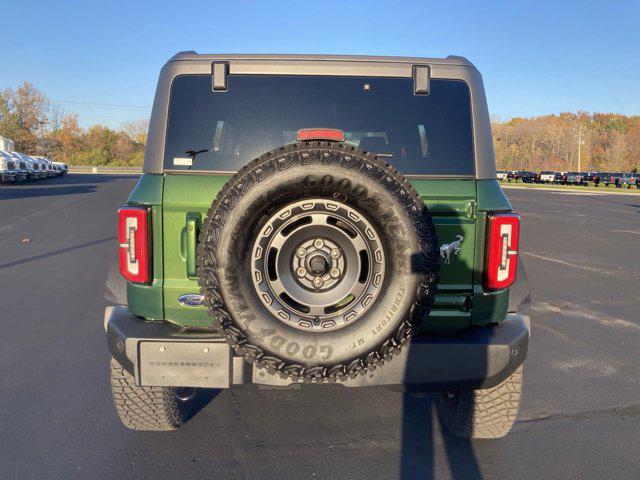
(193, 229)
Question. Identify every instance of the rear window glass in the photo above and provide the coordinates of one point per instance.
(222, 131)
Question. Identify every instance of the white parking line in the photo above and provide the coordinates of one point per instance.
(562, 262)
(625, 231)
(575, 310)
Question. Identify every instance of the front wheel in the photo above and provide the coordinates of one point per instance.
(489, 413)
(144, 408)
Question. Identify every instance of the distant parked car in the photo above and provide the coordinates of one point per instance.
(560, 178)
(613, 178)
(34, 167)
(8, 168)
(527, 177)
(62, 167)
(586, 178)
(631, 179)
(52, 171)
(576, 178)
(512, 175)
(43, 167)
(53, 168)
(25, 164)
(502, 175)
(591, 177)
(605, 178)
(546, 176)
(21, 172)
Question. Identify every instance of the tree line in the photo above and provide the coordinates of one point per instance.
(604, 142)
(608, 141)
(40, 127)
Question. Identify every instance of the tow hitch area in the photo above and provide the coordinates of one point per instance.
(160, 355)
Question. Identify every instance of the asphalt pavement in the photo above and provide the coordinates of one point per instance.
(580, 412)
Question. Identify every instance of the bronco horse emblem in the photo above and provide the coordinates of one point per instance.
(448, 248)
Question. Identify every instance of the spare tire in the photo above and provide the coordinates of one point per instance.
(317, 260)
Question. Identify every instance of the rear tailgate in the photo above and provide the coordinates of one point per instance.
(188, 197)
(452, 204)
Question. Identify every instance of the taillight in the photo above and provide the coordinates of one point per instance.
(502, 250)
(134, 244)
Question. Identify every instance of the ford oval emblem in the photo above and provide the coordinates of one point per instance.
(190, 300)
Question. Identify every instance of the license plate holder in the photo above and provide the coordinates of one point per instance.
(184, 364)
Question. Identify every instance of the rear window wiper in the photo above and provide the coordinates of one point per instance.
(192, 154)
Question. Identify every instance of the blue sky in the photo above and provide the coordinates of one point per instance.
(536, 57)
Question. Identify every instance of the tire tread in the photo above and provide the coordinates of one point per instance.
(489, 413)
(143, 408)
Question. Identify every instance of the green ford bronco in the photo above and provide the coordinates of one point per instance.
(319, 219)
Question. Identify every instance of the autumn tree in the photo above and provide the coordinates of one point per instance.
(550, 142)
(23, 113)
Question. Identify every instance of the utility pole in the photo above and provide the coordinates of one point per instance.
(580, 143)
(41, 123)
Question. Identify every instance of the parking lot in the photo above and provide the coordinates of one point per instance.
(580, 415)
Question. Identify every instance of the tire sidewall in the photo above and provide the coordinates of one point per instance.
(408, 239)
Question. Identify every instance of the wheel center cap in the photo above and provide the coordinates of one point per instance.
(318, 265)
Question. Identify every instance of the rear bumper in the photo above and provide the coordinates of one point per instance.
(159, 354)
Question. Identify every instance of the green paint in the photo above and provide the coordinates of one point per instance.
(146, 300)
(458, 208)
(148, 190)
(491, 198)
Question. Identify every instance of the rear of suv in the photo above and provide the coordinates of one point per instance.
(319, 219)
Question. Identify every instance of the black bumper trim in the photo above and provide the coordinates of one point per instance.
(478, 358)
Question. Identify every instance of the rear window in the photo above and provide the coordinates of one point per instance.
(222, 131)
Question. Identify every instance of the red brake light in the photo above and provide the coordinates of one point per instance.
(320, 134)
(502, 250)
(134, 244)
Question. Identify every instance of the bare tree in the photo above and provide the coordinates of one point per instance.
(56, 114)
(136, 130)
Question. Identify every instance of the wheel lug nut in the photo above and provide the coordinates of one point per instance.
(335, 273)
(301, 272)
(301, 253)
(317, 282)
(335, 253)
(318, 243)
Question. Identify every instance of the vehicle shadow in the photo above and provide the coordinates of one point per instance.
(423, 402)
(35, 258)
(31, 192)
(202, 398)
(65, 185)
(78, 178)
(420, 435)
(624, 204)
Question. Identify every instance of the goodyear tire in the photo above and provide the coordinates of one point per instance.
(144, 408)
(489, 413)
(317, 260)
